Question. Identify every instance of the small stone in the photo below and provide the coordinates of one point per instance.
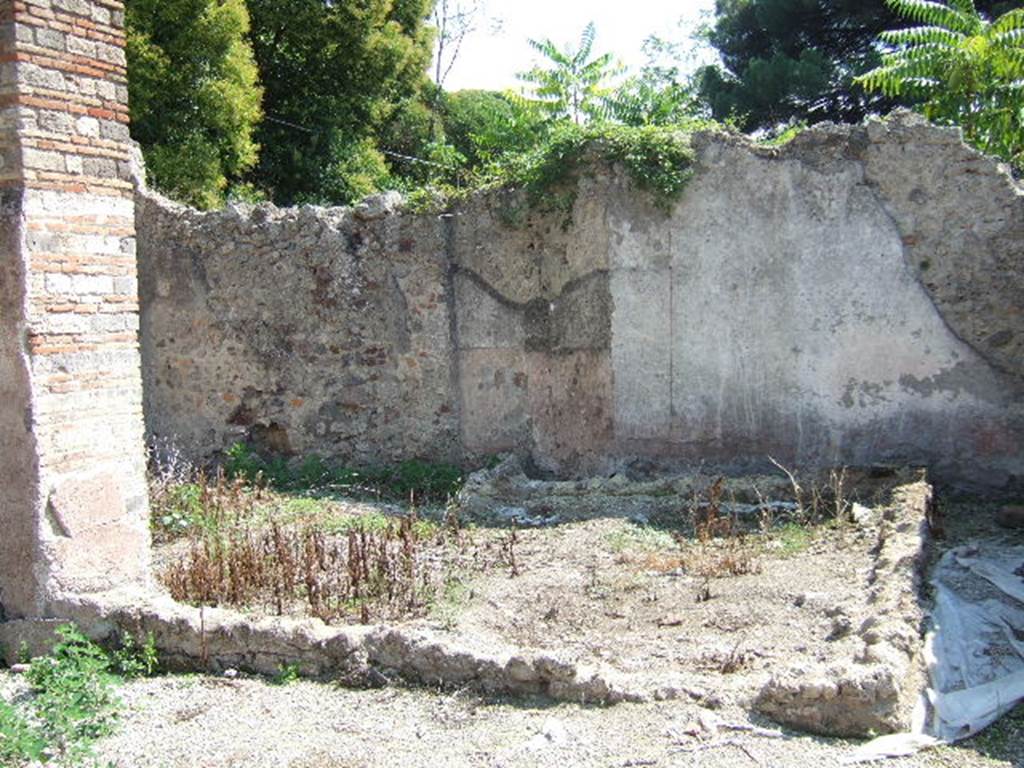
(1011, 516)
(520, 670)
(555, 732)
(20, 669)
(230, 673)
(378, 206)
(862, 516)
(708, 723)
(841, 627)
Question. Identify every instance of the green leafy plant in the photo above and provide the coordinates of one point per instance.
(658, 159)
(574, 84)
(135, 659)
(177, 509)
(74, 702)
(20, 741)
(963, 70)
(286, 674)
(243, 462)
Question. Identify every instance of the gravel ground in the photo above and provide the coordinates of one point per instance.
(206, 722)
(178, 721)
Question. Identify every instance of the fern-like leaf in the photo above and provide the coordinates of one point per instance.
(920, 35)
(936, 14)
(1012, 20)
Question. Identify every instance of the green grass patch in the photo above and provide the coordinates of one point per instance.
(640, 538)
(793, 538)
(375, 523)
(418, 482)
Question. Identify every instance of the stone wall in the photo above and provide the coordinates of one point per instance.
(303, 330)
(73, 509)
(852, 297)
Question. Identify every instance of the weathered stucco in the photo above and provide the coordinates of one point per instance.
(851, 297)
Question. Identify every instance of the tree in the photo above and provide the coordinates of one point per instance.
(961, 69)
(194, 94)
(788, 60)
(335, 74)
(454, 20)
(573, 85)
(659, 94)
(484, 125)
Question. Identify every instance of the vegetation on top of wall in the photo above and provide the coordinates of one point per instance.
(658, 159)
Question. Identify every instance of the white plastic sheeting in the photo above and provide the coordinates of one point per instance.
(974, 651)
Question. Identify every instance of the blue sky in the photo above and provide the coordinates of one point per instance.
(491, 56)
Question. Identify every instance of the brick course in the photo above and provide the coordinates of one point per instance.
(69, 308)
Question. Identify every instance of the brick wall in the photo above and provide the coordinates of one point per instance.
(70, 306)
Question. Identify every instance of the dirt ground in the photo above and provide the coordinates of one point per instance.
(625, 581)
(677, 599)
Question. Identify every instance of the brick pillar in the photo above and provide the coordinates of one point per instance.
(73, 508)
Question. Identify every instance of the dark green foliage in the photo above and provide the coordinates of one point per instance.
(417, 481)
(483, 126)
(194, 95)
(796, 60)
(961, 70)
(658, 160)
(334, 75)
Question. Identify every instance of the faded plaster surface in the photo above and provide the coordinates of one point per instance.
(852, 297)
(775, 312)
(18, 471)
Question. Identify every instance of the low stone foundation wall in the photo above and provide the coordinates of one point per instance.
(877, 690)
